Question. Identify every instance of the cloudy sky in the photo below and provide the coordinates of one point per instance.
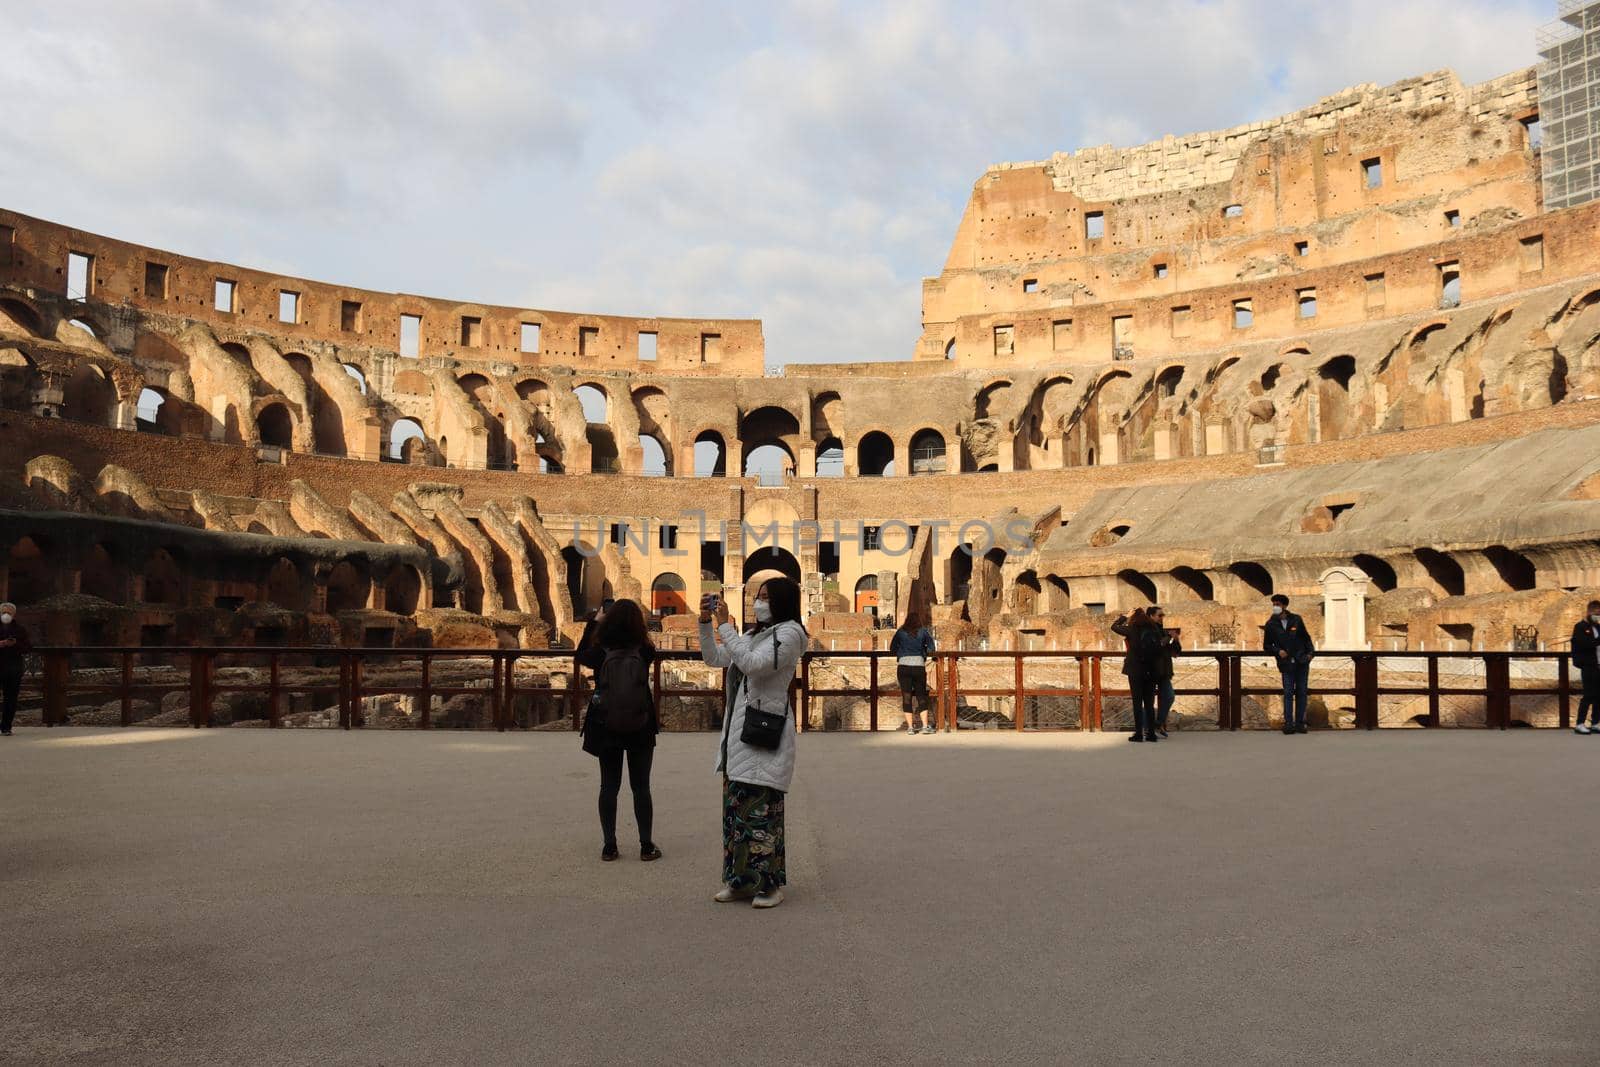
(804, 163)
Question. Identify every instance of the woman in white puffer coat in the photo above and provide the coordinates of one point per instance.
(761, 664)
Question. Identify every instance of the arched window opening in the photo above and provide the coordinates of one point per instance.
(875, 456)
(603, 457)
(769, 462)
(355, 372)
(1167, 383)
(928, 453)
(274, 427)
(153, 414)
(407, 442)
(592, 398)
(1058, 593)
(284, 586)
(1338, 370)
(1270, 376)
(830, 458)
(347, 588)
(1026, 593)
(31, 578)
(668, 595)
(1138, 589)
(85, 328)
(655, 458)
(1445, 572)
(163, 578)
(990, 399)
(710, 455)
(960, 584)
(1381, 574)
(102, 577)
(866, 595)
(1195, 581)
(1254, 576)
(402, 591)
(1515, 569)
(90, 396)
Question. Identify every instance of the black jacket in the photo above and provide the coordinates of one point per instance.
(12, 657)
(1147, 650)
(1287, 633)
(1585, 639)
(592, 654)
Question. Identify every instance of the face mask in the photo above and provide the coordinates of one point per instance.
(1592, 618)
(1277, 609)
(763, 611)
(6, 618)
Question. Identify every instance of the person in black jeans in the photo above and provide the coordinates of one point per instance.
(1143, 639)
(1586, 657)
(620, 627)
(1285, 636)
(14, 649)
(1168, 645)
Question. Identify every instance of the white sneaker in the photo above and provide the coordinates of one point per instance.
(729, 895)
(929, 730)
(1581, 729)
(768, 900)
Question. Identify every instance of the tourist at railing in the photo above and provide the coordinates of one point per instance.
(1586, 657)
(14, 648)
(1286, 637)
(911, 646)
(1142, 638)
(621, 719)
(756, 757)
(1168, 647)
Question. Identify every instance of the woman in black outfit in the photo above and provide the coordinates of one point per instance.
(1143, 637)
(620, 629)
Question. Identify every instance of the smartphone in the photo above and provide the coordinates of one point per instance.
(607, 604)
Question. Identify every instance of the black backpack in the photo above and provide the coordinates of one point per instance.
(622, 691)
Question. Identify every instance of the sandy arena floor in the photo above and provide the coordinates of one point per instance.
(249, 897)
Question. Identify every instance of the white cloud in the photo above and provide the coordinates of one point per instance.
(805, 163)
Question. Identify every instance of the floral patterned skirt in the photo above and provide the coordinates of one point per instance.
(752, 837)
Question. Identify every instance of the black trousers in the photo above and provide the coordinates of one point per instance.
(913, 682)
(10, 686)
(1144, 704)
(639, 760)
(1590, 702)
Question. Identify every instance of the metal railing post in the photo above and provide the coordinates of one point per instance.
(1497, 680)
(1433, 689)
(1564, 682)
(274, 699)
(127, 689)
(1366, 664)
(426, 695)
(872, 699)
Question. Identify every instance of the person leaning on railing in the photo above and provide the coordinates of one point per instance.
(14, 649)
(1586, 657)
(911, 646)
(1143, 640)
(756, 756)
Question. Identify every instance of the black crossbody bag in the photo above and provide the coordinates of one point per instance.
(764, 729)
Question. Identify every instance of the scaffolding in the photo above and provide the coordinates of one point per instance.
(1569, 104)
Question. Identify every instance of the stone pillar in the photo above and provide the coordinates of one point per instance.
(1344, 608)
(808, 461)
(1108, 449)
(1166, 442)
(1216, 438)
(126, 416)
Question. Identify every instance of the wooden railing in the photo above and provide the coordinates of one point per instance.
(65, 680)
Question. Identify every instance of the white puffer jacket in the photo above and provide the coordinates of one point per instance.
(767, 686)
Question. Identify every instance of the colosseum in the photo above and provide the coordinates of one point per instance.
(1351, 354)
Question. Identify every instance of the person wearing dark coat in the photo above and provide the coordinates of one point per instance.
(1164, 696)
(1285, 637)
(620, 627)
(1586, 657)
(14, 649)
(1142, 664)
